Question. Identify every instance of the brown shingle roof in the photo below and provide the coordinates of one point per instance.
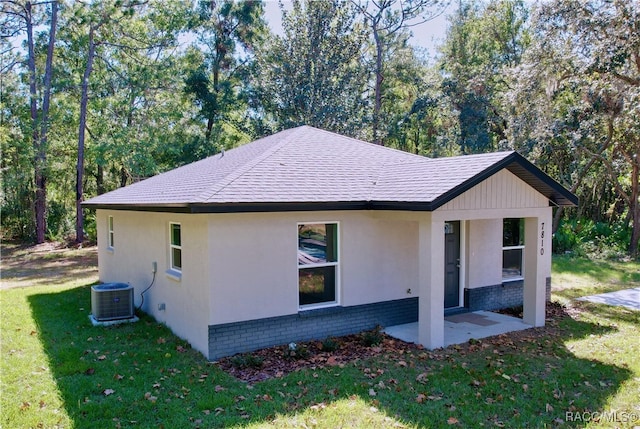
(308, 168)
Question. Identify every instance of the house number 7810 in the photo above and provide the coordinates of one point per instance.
(542, 238)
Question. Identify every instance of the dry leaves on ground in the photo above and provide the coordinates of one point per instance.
(277, 361)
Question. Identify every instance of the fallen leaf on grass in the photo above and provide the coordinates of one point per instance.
(421, 398)
(372, 392)
(107, 392)
(422, 378)
(452, 421)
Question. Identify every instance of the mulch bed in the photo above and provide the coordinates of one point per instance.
(278, 361)
(281, 360)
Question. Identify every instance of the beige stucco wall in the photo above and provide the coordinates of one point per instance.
(255, 271)
(484, 253)
(141, 238)
(243, 266)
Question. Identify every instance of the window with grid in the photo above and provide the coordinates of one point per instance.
(110, 232)
(317, 264)
(175, 247)
(512, 249)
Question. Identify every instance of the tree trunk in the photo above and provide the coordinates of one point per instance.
(100, 180)
(124, 177)
(377, 106)
(634, 209)
(39, 206)
(84, 99)
(41, 147)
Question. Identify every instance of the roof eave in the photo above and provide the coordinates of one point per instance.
(139, 207)
(267, 206)
(559, 196)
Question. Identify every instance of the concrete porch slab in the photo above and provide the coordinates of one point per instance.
(461, 328)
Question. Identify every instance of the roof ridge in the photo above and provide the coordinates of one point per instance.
(236, 174)
(380, 146)
(476, 155)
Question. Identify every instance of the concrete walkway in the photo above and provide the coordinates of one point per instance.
(629, 298)
(460, 328)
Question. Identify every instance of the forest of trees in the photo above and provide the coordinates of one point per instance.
(95, 95)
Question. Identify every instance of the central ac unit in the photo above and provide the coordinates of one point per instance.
(112, 301)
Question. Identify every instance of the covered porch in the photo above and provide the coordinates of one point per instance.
(434, 329)
(460, 328)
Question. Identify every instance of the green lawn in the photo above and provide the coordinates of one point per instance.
(59, 371)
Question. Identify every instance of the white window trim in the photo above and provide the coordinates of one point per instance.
(513, 247)
(110, 239)
(336, 264)
(518, 278)
(172, 269)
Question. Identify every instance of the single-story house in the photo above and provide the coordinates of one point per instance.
(307, 234)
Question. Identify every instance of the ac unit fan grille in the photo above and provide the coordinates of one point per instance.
(112, 301)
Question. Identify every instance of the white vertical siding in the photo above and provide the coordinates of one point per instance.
(503, 190)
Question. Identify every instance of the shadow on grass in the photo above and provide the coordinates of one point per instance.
(613, 313)
(141, 375)
(48, 266)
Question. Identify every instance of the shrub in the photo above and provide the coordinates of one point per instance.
(330, 344)
(373, 337)
(59, 222)
(247, 361)
(295, 352)
(585, 237)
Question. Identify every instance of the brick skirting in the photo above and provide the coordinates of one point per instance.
(500, 296)
(238, 337)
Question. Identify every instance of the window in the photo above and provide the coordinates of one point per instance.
(110, 232)
(512, 249)
(317, 263)
(175, 248)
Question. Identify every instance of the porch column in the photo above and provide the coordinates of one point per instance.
(431, 283)
(537, 251)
